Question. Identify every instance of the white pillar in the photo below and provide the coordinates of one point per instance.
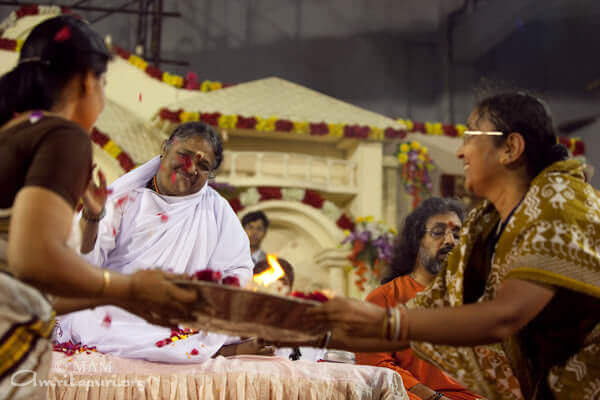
(369, 160)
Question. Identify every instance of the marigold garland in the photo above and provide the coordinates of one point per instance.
(575, 145)
(274, 124)
(190, 82)
(115, 151)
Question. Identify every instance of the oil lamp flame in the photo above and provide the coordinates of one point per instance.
(270, 275)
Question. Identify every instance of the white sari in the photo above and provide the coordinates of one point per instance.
(181, 234)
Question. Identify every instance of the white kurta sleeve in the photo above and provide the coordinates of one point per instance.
(232, 253)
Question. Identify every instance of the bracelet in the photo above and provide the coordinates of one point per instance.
(404, 323)
(326, 340)
(397, 324)
(105, 283)
(91, 218)
(384, 326)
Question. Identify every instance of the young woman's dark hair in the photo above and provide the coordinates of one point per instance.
(206, 132)
(55, 51)
(408, 241)
(523, 113)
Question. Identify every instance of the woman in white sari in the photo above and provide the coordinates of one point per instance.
(162, 214)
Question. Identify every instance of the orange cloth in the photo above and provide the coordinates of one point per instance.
(412, 369)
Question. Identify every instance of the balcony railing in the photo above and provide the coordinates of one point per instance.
(245, 168)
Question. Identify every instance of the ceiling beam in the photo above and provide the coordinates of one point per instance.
(478, 32)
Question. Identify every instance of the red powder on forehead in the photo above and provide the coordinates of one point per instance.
(173, 177)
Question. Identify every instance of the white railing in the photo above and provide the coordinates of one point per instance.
(249, 168)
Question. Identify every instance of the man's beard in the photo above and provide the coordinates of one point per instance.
(433, 264)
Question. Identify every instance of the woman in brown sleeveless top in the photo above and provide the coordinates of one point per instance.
(48, 104)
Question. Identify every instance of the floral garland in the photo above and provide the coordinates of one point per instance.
(274, 124)
(190, 82)
(32, 9)
(106, 143)
(372, 246)
(416, 166)
(575, 145)
(309, 197)
(433, 128)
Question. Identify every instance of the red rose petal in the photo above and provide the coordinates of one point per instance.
(207, 275)
(63, 34)
(194, 352)
(163, 217)
(232, 281)
(106, 321)
(122, 200)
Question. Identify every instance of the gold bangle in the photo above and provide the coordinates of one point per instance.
(105, 283)
(404, 323)
(385, 323)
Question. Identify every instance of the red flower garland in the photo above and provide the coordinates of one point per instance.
(245, 123)
(311, 198)
(269, 193)
(123, 158)
(284, 125)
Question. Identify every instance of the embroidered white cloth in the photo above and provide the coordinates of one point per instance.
(105, 377)
(181, 234)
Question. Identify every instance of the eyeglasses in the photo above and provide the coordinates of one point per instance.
(440, 231)
(469, 134)
(493, 133)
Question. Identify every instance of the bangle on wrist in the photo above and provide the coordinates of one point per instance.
(105, 283)
(325, 341)
(91, 218)
(384, 326)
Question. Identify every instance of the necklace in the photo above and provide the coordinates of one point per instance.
(155, 185)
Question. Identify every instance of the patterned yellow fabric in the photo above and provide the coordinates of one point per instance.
(553, 238)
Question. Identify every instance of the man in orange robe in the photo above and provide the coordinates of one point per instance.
(430, 233)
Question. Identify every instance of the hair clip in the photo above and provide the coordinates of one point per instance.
(63, 34)
(34, 59)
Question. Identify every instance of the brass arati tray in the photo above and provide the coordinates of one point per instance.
(242, 312)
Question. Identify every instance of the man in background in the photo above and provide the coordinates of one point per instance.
(256, 224)
(430, 232)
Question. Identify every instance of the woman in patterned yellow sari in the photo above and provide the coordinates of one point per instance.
(516, 310)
